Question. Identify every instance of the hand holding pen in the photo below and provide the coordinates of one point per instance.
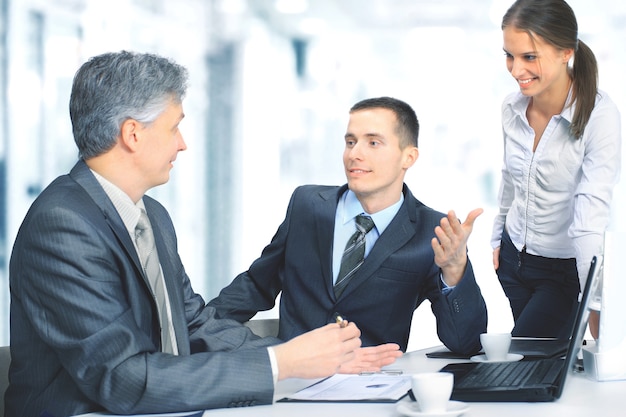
(369, 359)
(318, 353)
(341, 320)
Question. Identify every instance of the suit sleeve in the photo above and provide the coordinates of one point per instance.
(80, 297)
(461, 314)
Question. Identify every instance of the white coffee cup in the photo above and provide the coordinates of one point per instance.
(496, 345)
(432, 390)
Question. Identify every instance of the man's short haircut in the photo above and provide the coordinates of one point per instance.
(407, 126)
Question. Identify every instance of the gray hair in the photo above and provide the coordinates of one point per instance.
(114, 87)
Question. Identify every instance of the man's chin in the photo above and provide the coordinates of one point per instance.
(356, 188)
(163, 180)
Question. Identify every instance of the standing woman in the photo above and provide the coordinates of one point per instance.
(561, 163)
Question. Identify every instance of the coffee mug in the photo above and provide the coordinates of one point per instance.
(496, 345)
(432, 390)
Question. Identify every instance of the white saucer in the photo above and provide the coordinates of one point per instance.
(511, 357)
(412, 409)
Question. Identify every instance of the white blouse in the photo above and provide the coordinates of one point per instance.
(556, 200)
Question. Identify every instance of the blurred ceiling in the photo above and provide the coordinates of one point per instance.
(306, 17)
(310, 18)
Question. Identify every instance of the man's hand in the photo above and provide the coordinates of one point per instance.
(450, 245)
(318, 353)
(372, 358)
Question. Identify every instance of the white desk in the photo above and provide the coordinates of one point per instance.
(582, 397)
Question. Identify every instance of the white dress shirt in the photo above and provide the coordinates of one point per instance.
(556, 200)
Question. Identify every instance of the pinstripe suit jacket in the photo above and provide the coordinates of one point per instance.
(397, 276)
(84, 327)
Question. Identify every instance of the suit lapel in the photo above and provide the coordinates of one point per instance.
(83, 176)
(397, 234)
(324, 214)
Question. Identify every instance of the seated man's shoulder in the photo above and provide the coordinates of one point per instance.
(427, 213)
(314, 191)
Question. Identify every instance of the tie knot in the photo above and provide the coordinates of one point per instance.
(143, 223)
(364, 223)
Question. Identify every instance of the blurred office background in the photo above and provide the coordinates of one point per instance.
(271, 84)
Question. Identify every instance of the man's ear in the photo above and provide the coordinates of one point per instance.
(129, 133)
(410, 156)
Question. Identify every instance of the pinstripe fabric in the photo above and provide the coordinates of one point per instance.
(85, 329)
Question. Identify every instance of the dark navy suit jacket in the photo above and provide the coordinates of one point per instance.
(84, 327)
(397, 276)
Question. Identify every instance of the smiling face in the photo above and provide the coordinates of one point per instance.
(538, 67)
(160, 143)
(374, 162)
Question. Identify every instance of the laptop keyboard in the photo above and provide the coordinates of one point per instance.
(507, 374)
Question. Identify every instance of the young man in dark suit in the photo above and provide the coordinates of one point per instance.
(412, 253)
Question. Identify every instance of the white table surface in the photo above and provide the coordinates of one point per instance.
(581, 397)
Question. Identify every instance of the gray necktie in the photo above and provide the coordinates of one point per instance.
(150, 262)
(353, 254)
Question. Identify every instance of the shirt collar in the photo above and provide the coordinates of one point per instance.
(352, 208)
(128, 211)
(520, 105)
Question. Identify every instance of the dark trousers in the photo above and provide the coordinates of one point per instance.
(543, 292)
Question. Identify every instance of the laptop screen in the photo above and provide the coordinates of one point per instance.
(580, 325)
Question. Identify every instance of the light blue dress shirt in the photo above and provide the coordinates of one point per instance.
(345, 225)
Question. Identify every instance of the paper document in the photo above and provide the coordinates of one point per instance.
(355, 388)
